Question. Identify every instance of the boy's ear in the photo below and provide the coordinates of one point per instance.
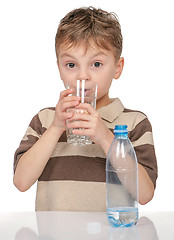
(119, 68)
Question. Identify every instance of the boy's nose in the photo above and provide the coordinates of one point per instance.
(83, 75)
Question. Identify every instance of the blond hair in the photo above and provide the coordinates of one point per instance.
(90, 25)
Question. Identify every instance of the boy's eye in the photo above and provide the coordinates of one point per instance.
(70, 65)
(97, 64)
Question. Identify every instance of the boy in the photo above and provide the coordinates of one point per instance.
(72, 178)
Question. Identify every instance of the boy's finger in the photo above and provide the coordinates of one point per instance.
(79, 124)
(88, 107)
(67, 115)
(82, 131)
(71, 98)
(81, 116)
(65, 93)
(70, 104)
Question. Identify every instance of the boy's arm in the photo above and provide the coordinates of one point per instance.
(31, 164)
(92, 125)
(145, 185)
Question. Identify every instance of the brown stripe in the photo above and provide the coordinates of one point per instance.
(63, 137)
(140, 129)
(43, 130)
(77, 168)
(147, 158)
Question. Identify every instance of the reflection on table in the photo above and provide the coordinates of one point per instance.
(82, 225)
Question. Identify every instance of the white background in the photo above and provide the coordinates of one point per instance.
(30, 80)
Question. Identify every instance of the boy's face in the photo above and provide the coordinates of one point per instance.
(92, 64)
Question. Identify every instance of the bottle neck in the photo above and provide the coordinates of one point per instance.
(121, 135)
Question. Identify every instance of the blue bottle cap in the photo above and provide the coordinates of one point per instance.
(120, 129)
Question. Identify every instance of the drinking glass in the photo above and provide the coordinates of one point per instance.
(87, 91)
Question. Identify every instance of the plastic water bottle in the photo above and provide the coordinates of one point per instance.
(122, 180)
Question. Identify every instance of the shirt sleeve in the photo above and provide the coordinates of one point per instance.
(31, 136)
(142, 140)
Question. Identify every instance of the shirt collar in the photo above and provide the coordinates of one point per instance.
(112, 110)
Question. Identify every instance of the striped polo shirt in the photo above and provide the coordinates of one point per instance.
(74, 177)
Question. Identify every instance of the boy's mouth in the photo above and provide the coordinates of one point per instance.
(86, 91)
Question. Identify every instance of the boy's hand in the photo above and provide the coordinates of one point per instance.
(92, 125)
(61, 114)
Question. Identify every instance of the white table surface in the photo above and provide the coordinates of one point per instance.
(83, 225)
